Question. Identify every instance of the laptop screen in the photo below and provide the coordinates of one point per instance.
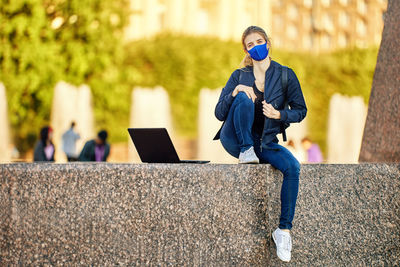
(154, 145)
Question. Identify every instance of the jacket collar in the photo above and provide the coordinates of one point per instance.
(272, 76)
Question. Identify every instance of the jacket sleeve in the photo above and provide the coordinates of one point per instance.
(85, 153)
(106, 152)
(226, 98)
(38, 154)
(298, 109)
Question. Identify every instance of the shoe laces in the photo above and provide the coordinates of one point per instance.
(286, 242)
(249, 151)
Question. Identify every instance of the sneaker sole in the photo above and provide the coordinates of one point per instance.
(250, 162)
(273, 238)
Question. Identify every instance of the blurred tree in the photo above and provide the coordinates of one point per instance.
(45, 41)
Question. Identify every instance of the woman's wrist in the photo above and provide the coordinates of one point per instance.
(278, 114)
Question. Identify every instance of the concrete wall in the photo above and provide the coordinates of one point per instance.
(208, 215)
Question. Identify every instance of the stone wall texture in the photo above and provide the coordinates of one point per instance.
(103, 214)
(381, 140)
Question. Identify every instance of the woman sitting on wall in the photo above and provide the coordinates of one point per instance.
(252, 107)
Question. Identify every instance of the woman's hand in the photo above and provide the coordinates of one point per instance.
(270, 112)
(247, 89)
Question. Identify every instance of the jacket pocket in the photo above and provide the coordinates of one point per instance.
(277, 101)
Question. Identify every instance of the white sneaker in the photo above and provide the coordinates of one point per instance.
(283, 243)
(249, 156)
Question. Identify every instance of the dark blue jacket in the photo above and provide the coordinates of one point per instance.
(273, 94)
(88, 151)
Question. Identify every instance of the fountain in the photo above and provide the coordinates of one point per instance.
(150, 109)
(71, 104)
(296, 132)
(5, 154)
(208, 126)
(345, 130)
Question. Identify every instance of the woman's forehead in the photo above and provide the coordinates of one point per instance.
(252, 37)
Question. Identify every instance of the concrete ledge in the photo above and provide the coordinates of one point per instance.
(208, 215)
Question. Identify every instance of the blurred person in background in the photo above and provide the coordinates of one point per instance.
(44, 148)
(314, 154)
(69, 139)
(97, 149)
(252, 107)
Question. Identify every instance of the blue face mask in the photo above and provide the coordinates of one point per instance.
(259, 52)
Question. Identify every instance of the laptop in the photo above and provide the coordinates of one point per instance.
(155, 146)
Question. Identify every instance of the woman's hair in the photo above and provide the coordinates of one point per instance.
(247, 61)
(44, 134)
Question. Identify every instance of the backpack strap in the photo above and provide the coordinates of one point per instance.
(284, 81)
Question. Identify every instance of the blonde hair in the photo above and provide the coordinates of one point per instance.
(247, 61)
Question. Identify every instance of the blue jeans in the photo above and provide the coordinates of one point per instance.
(236, 136)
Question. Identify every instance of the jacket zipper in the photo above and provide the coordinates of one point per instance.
(262, 134)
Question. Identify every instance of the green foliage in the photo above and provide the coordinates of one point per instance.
(45, 41)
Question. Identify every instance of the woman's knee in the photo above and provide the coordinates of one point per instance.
(293, 167)
(242, 99)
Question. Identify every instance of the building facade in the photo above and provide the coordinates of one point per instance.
(307, 25)
(325, 25)
(225, 19)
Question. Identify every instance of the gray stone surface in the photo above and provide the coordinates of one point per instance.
(195, 215)
(381, 140)
(346, 215)
(107, 214)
